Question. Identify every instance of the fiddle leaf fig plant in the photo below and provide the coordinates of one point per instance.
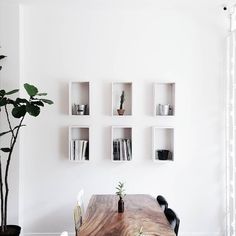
(120, 190)
(15, 109)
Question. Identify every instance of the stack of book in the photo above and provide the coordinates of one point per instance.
(79, 150)
(122, 149)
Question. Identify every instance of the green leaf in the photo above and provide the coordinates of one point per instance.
(10, 101)
(12, 92)
(31, 89)
(5, 149)
(3, 101)
(41, 94)
(47, 101)
(19, 111)
(38, 103)
(2, 56)
(32, 109)
(21, 100)
(2, 92)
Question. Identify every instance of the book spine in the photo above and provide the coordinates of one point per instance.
(124, 149)
(129, 149)
(87, 151)
(84, 149)
(72, 150)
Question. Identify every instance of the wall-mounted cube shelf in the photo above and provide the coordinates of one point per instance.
(79, 143)
(117, 88)
(121, 143)
(164, 99)
(79, 98)
(162, 144)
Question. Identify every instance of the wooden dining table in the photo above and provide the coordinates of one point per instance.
(141, 211)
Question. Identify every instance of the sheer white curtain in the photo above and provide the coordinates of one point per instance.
(231, 127)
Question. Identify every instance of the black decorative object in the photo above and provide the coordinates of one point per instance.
(163, 155)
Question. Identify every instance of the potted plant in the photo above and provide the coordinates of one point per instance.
(121, 193)
(121, 111)
(17, 108)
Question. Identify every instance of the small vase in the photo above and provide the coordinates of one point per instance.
(120, 205)
(121, 112)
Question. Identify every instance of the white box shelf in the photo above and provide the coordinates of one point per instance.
(164, 94)
(162, 144)
(117, 88)
(79, 98)
(121, 143)
(79, 143)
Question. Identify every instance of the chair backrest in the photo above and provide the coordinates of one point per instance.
(162, 202)
(80, 201)
(79, 211)
(77, 219)
(64, 233)
(173, 219)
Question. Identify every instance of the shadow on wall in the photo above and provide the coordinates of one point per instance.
(63, 143)
(107, 101)
(64, 98)
(106, 134)
(64, 221)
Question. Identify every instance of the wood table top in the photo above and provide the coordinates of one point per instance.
(103, 219)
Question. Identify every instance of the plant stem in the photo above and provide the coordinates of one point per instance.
(2, 201)
(9, 122)
(7, 169)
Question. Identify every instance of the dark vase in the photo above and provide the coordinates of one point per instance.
(120, 205)
(11, 230)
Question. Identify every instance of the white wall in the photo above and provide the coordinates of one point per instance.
(9, 79)
(140, 41)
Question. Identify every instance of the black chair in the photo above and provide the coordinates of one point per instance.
(173, 219)
(162, 202)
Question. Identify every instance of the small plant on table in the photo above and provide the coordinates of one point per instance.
(121, 193)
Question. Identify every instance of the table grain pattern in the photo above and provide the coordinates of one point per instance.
(102, 218)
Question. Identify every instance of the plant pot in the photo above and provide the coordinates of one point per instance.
(121, 112)
(121, 205)
(11, 230)
(163, 154)
(81, 109)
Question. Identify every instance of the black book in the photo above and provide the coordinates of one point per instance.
(115, 150)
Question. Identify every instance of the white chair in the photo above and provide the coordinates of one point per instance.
(79, 211)
(64, 233)
(77, 219)
(80, 201)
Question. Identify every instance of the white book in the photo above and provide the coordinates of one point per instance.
(129, 149)
(124, 149)
(121, 149)
(72, 150)
(84, 148)
(81, 150)
(77, 149)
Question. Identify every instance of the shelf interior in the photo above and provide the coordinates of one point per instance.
(79, 96)
(121, 144)
(164, 94)
(163, 140)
